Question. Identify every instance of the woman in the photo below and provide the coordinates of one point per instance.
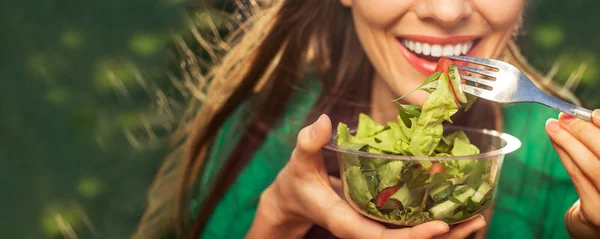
(243, 173)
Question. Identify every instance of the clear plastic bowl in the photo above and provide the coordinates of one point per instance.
(460, 205)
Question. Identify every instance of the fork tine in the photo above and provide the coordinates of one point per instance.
(479, 92)
(485, 82)
(480, 61)
(478, 71)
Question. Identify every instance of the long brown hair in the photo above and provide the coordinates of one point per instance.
(269, 55)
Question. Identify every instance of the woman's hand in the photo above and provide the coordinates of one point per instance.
(577, 142)
(302, 195)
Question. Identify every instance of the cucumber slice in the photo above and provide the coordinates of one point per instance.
(481, 192)
(463, 197)
(441, 192)
(456, 84)
(443, 209)
(460, 190)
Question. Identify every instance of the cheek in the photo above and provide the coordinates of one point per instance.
(500, 17)
(380, 13)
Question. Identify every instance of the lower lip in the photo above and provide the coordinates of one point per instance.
(425, 66)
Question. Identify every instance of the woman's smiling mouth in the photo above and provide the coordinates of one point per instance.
(423, 52)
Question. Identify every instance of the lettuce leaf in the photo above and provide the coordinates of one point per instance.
(389, 174)
(367, 127)
(358, 187)
(409, 197)
(438, 107)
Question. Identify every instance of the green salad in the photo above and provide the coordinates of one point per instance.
(412, 191)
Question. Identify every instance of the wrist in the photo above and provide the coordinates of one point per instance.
(578, 226)
(273, 220)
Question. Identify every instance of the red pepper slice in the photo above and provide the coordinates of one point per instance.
(444, 66)
(385, 194)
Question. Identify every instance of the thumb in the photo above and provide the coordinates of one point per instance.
(313, 137)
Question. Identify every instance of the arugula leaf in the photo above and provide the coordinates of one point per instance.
(476, 171)
(407, 112)
(415, 177)
(470, 101)
(389, 174)
(358, 187)
(438, 107)
(437, 180)
(367, 127)
(429, 83)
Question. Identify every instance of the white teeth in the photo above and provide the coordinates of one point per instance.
(418, 48)
(426, 49)
(457, 50)
(448, 50)
(437, 50)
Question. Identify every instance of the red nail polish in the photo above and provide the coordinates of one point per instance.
(566, 119)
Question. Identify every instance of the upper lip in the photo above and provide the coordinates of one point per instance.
(439, 40)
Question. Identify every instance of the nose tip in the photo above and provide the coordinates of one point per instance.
(445, 12)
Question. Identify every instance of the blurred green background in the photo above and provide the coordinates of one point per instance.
(88, 98)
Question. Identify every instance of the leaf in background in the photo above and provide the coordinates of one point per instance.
(367, 127)
(389, 174)
(358, 187)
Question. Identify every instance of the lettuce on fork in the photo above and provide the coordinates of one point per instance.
(417, 191)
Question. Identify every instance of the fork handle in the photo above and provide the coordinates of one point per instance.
(566, 107)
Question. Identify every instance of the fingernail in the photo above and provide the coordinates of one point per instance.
(315, 126)
(566, 119)
(552, 125)
(596, 115)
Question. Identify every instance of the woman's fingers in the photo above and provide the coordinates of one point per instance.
(465, 229)
(583, 158)
(584, 187)
(596, 117)
(422, 231)
(586, 132)
(336, 184)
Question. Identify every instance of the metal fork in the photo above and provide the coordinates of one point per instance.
(511, 86)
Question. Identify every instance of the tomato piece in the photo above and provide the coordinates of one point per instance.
(436, 168)
(443, 65)
(385, 194)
